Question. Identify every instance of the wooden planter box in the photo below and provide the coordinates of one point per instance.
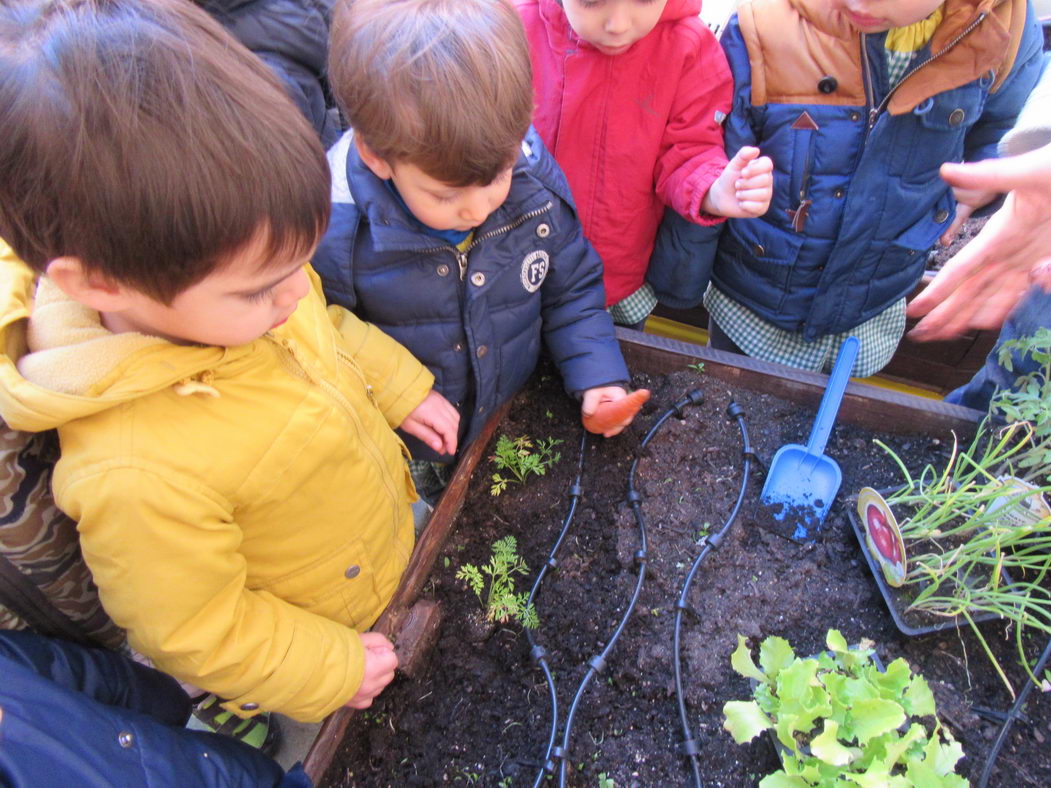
(937, 366)
(415, 622)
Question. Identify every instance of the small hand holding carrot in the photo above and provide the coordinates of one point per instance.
(607, 410)
(745, 187)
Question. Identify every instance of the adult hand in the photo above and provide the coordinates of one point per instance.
(981, 284)
(380, 664)
(435, 422)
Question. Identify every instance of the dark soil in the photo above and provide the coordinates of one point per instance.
(480, 714)
(940, 255)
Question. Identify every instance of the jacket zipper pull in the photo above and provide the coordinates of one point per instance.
(873, 114)
(461, 260)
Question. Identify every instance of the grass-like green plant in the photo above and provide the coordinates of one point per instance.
(956, 522)
(501, 603)
(1029, 401)
(840, 720)
(521, 459)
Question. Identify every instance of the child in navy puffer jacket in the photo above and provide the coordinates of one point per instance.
(453, 228)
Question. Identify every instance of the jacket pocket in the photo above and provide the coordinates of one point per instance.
(903, 259)
(757, 263)
(341, 587)
(940, 124)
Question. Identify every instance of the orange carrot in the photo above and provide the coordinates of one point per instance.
(616, 413)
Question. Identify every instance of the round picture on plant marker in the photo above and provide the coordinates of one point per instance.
(882, 535)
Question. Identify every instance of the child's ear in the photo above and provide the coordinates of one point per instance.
(86, 287)
(379, 167)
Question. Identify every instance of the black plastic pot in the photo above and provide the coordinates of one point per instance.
(891, 594)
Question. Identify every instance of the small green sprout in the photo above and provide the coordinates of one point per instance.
(518, 457)
(502, 604)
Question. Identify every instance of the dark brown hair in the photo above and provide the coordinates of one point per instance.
(139, 137)
(445, 85)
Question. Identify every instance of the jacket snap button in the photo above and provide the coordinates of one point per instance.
(956, 117)
(249, 706)
(478, 279)
(758, 250)
(125, 739)
(352, 571)
(482, 350)
(838, 194)
(457, 347)
(481, 409)
(827, 84)
(941, 216)
(543, 230)
(443, 270)
(855, 116)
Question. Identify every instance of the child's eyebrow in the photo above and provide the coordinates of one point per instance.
(268, 285)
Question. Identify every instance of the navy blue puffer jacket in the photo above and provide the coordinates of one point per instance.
(476, 319)
(75, 716)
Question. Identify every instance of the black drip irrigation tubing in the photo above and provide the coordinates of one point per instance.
(1014, 713)
(634, 499)
(690, 746)
(536, 651)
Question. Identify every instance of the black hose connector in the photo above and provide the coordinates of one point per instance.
(597, 663)
(575, 491)
(633, 496)
(689, 748)
(557, 754)
(551, 563)
(538, 654)
(716, 539)
(640, 557)
(733, 410)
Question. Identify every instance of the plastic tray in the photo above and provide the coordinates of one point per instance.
(886, 591)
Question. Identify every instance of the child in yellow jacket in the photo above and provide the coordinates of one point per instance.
(227, 443)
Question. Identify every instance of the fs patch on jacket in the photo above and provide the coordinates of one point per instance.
(476, 318)
(243, 510)
(632, 132)
(92, 718)
(290, 36)
(857, 198)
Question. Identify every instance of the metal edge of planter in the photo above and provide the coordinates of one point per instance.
(864, 404)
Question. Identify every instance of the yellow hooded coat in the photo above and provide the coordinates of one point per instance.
(243, 510)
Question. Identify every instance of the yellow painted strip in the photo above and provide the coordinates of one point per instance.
(673, 329)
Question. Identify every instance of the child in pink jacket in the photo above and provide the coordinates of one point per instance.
(631, 95)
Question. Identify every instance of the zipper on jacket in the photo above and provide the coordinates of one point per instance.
(296, 368)
(461, 257)
(875, 111)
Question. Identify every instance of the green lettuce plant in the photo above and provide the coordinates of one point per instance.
(840, 720)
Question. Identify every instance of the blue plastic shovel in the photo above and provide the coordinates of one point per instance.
(802, 478)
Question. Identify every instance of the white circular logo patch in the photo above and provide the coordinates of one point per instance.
(534, 270)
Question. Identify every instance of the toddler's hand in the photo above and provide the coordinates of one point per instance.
(967, 202)
(435, 422)
(594, 397)
(380, 663)
(744, 189)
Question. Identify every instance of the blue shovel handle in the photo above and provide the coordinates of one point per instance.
(833, 396)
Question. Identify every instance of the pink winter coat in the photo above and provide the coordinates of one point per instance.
(633, 132)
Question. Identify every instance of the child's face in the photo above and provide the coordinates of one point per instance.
(876, 16)
(444, 207)
(612, 26)
(231, 306)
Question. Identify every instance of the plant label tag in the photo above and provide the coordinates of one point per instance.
(1027, 512)
(882, 535)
